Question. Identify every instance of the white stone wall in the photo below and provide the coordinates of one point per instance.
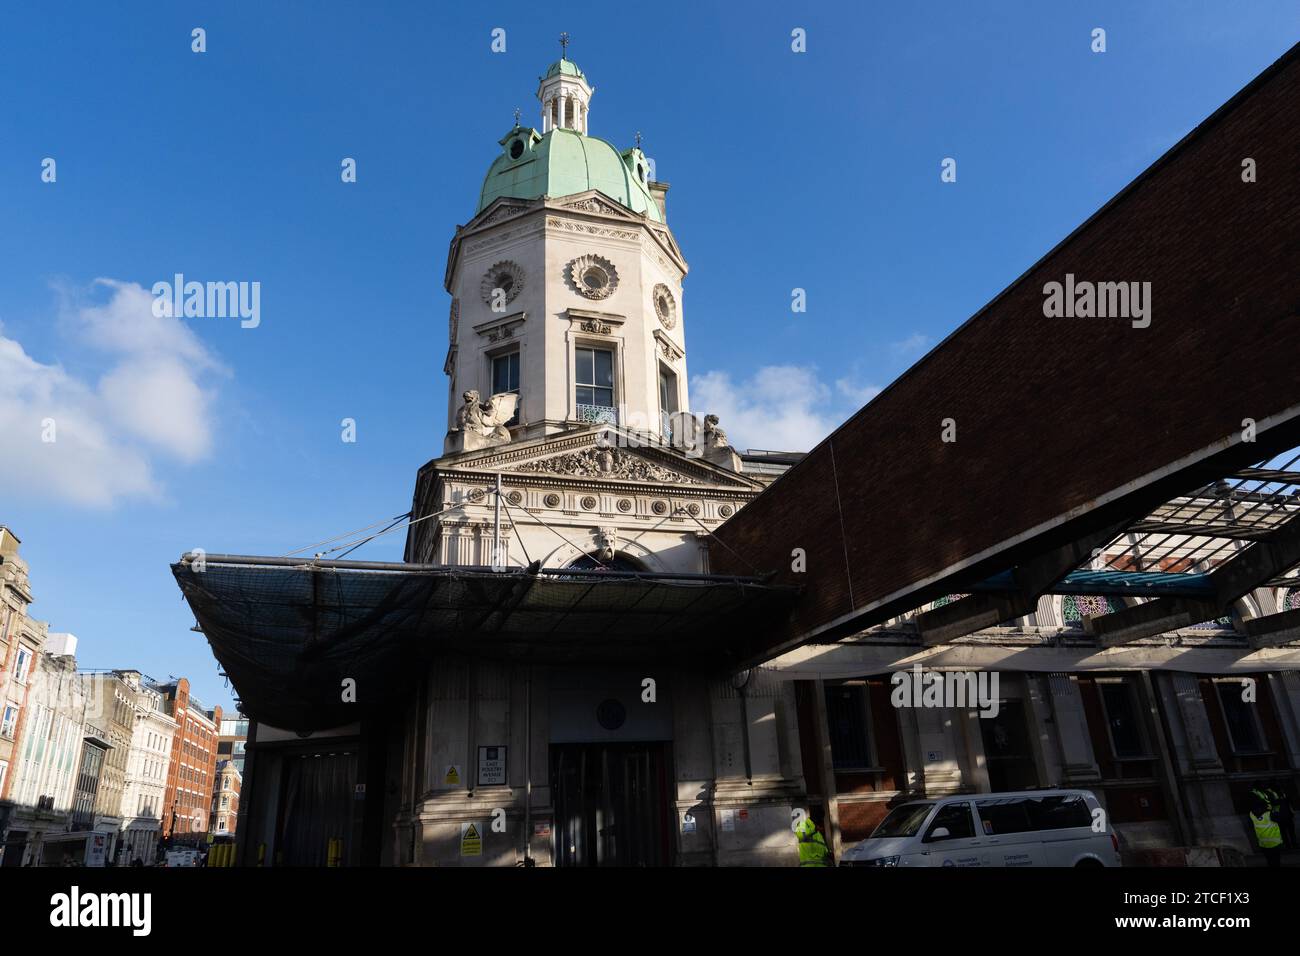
(543, 242)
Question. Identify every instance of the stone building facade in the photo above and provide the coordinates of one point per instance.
(567, 300)
(49, 759)
(145, 793)
(110, 717)
(225, 799)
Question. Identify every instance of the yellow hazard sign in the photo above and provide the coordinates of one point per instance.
(471, 843)
(452, 777)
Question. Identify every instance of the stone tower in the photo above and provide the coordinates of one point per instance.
(566, 286)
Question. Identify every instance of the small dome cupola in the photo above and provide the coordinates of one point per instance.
(519, 143)
(564, 93)
(637, 163)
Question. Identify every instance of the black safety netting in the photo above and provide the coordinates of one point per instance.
(290, 638)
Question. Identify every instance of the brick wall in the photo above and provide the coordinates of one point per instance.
(1052, 413)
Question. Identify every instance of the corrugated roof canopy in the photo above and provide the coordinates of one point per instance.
(288, 633)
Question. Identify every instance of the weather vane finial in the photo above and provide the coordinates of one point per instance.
(516, 116)
(564, 46)
(638, 139)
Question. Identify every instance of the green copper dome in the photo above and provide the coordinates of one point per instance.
(563, 68)
(564, 162)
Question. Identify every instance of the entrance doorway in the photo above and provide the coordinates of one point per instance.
(1006, 748)
(317, 807)
(611, 804)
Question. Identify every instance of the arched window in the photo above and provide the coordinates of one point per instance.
(619, 562)
(1074, 608)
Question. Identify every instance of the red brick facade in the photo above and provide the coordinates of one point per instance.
(1052, 414)
(192, 771)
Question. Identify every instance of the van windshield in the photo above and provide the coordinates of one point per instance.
(904, 821)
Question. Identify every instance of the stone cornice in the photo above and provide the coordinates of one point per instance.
(592, 209)
(501, 327)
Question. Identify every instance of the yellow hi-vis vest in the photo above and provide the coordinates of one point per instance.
(812, 845)
(1267, 832)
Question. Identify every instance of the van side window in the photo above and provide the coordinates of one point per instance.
(1060, 812)
(956, 817)
(1007, 815)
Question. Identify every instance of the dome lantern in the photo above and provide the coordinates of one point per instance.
(564, 94)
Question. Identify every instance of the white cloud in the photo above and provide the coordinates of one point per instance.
(146, 393)
(781, 407)
(857, 392)
(912, 347)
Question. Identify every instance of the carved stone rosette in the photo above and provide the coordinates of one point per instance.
(593, 277)
(504, 275)
(665, 305)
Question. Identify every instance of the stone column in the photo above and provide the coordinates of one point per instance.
(1200, 755)
(752, 814)
(975, 771)
(825, 770)
(1286, 694)
(1078, 762)
(1212, 819)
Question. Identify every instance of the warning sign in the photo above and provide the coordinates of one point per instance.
(471, 843)
(452, 777)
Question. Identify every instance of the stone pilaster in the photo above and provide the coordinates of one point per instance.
(1078, 762)
(752, 812)
(1285, 686)
(1212, 819)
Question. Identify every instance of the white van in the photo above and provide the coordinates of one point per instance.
(1027, 828)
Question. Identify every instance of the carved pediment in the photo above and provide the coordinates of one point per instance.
(611, 462)
(597, 205)
(504, 211)
(608, 452)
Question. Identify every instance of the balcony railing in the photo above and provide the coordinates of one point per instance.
(598, 414)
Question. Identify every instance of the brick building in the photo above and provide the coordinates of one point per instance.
(191, 772)
(21, 641)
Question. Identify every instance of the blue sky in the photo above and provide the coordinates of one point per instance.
(817, 170)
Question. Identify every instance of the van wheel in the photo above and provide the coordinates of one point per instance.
(1088, 863)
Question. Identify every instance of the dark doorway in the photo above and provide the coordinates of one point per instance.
(1006, 748)
(14, 848)
(611, 804)
(317, 815)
